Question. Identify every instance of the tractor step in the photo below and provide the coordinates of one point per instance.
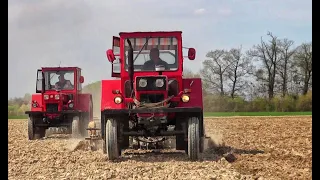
(93, 138)
(92, 129)
(206, 143)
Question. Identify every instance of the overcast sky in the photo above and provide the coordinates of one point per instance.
(78, 32)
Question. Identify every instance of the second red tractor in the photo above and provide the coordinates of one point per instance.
(59, 102)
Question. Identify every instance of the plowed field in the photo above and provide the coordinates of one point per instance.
(264, 147)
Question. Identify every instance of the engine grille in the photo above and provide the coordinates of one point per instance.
(52, 107)
(151, 98)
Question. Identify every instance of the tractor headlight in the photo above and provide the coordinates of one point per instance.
(159, 83)
(117, 100)
(46, 97)
(57, 97)
(71, 105)
(34, 105)
(143, 83)
(185, 98)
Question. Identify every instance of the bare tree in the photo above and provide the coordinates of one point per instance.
(286, 54)
(240, 66)
(187, 73)
(214, 70)
(268, 53)
(303, 62)
(293, 80)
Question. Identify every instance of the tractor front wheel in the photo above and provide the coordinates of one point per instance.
(33, 131)
(111, 139)
(75, 127)
(193, 138)
(30, 128)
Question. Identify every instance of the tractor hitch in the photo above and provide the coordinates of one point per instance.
(94, 137)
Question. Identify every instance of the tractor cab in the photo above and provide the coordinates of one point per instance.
(59, 87)
(155, 71)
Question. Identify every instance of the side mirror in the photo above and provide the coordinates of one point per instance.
(81, 79)
(191, 53)
(110, 55)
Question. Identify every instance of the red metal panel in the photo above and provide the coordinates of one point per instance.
(83, 102)
(107, 97)
(38, 99)
(196, 92)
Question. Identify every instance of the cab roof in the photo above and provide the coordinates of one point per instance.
(60, 68)
(146, 33)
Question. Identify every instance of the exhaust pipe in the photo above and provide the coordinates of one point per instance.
(43, 83)
(130, 64)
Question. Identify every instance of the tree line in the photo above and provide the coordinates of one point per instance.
(274, 75)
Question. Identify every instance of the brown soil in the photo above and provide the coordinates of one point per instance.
(245, 148)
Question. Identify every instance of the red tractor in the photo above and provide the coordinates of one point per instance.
(58, 102)
(150, 94)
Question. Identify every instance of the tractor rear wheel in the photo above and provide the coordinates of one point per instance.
(40, 132)
(193, 138)
(85, 119)
(84, 125)
(111, 139)
(75, 127)
(31, 128)
(181, 144)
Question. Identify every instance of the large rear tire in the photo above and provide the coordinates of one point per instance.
(30, 128)
(85, 119)
(111, 139)
(84, 125)
(75, 127)
(124, 138)
(193, 138)
(181, 144)
(40, 132)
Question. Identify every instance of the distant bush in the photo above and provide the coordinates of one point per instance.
(305, 102)
(289, 103)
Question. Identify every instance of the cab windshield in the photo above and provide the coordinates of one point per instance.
(149, 52)
(59, 80)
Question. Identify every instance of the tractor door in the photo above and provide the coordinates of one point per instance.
(116, 66)
(39, 81)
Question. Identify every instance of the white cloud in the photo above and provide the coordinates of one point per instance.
(199, 11)
(224, 11)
